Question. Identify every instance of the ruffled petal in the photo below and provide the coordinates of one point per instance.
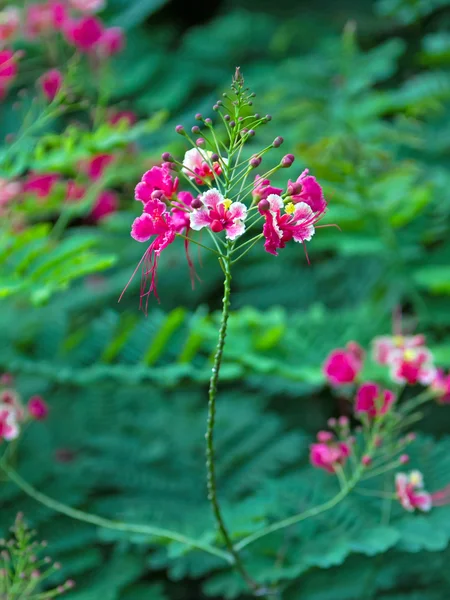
(142, 228)
(237, 210)
(235, 230)
(200, 218)
(211, 198)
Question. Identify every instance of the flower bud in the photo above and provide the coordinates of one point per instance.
(322, 436)
(167, 157)
(227, 117)
(404, 458)
(366, 460)
(208, 122)
(251, 132)
(332, 422)
(216, 107)
(294, 188)
(196, 203)
(195, 129)
(277, 142)
(287, 161)
(200, 142)
(411, 437)
(179, 129)
(343, 421)
(232, 123)
(268, 118)
(255, 161)
(214, 157)
(263, 205)
(199, 117)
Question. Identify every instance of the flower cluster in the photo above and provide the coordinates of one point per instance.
(224, 197)
(73, 21)
(24, 569)
(378, 444)
(12, 412)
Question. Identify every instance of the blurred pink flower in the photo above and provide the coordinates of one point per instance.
(413, 365)
(9, 190)
(37, 408)
(44, 18)
(342, 366)
(111, 42)
(74, 191)
(120, 116)
(8, 70)
(87, 6)
(371, 400)
(9, 428)
(84, 33)
(441, 386)
(9, 23)
(106, 204)
(40, 184)
(51, 83)
(95, 167)
(387, 346)
(410, 492)
(327, 454)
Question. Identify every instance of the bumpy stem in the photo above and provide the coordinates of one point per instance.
(210, 452)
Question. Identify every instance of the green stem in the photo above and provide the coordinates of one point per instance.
(108, 523)
(210, 452)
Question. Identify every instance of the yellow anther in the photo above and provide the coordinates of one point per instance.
(409, 354)
(227, 203)
(398, 341)
(415, 478)
(290, 208)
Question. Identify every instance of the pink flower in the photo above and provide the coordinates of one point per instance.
(111, 42)
(9, 23)
(106, 204)
(6, 379)
(441, 386)
(297, 223)
(84, 33)
(441, 497)
(156, 183)
(263, 188)
(8, 191)
(8, 70)
(96, 166)
(199, 166)
(306, 189)
(219, 214)
(154, 221)
(328, 454)
(9, 428)
(120, 116)
(410, 492)
(74, 191)
(87, 6)
(413, 365)
(51, 83)
(342, 366)
(385, 347)
(37, 408)
(40, 184)
(44, 18)
(181, 211)
(370, 400)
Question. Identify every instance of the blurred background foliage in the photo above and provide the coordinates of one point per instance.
(360, 92)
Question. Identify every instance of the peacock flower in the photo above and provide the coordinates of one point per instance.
(219, 214)
(8, 70)
(9, 428)
(9, 24)
(95, 167)
(51, 83)
(386, 347)
(111, 42)
(155, 184)
(262, 188)
(84, 33)
(372, 401)
(156, 222)
(199, 166)
(412, 365)
(87, 6)
(328, 453)
(343, 365)
(307, 189)
(296, 223)
(44, 18)
(441, 386)
(410, 492)
(41, 185)
(37, 408)
(181, 208)
(106, 204)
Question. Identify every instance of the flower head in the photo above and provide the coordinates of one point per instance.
(105, 205)
(296, 223)
(96, 166)
(9, 428)
(371, 400)
(328, 453)
(111, 42)
(40, 184)
(441, 386)
(410, 492)
(199, 166)
(386, 347)
(8, 70)
(9, 23)
(51, 83)
(37, 408)
(159, 180)
(219, 214)
(263, 188)
(343, 365)
(87, 6)
(44, 18)
(84, 33)
(306, 189)
(413, 365)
